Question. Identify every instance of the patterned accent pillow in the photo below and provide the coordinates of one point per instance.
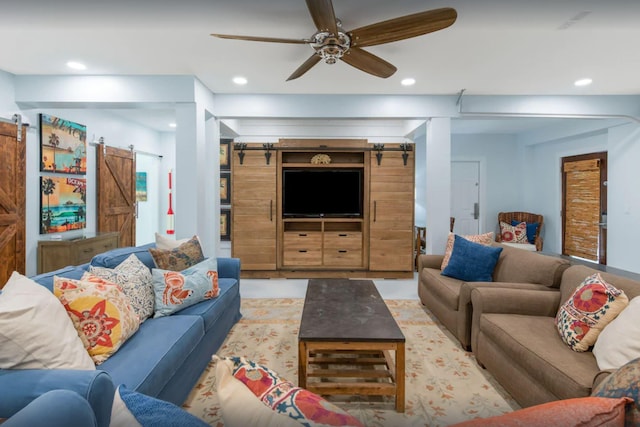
(624, 382)
(283, 403)
(513, 233)
(135, 280)
(100, 312)
(592, 306)
(28, 313)
(578, 412)
(484, 239)
(177, 259)
(175, 291)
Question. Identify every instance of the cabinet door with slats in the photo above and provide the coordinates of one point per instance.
(253, 211)
(391, 212)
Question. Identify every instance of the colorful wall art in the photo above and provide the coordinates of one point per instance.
(63, 146)
(62, 204)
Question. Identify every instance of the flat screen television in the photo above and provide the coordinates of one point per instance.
(312, 193)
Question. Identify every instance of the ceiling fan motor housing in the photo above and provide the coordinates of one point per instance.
(329, 47)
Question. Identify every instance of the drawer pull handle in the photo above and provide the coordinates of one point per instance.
(303, 251)
(342, 251)
(342, 235)
(302, 234)
(88, 250)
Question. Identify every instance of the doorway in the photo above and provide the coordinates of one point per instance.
(148, 194)
(465, 196)
(584, 206)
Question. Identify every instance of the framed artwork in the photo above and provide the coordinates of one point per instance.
(225, 154)
(62, 204)
(225, 188)
(63, 145)
(225, 224)
(141, 186)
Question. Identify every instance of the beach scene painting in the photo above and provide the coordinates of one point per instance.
(63, 145)
(62, 204)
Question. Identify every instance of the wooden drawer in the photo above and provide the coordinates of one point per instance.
(343, 257)
(87, 249)
(55, 254)
(302, 257)
(343, 240)
(310, 240)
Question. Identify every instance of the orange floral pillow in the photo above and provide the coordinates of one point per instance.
(513, 233)
(100, 312)
(582, 412)
(483, 239)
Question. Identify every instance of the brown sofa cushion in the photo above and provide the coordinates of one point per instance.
(535, 345)
(517, 265)
(447, 289)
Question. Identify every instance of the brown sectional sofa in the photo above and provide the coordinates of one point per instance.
(449, 299)
(515, 338)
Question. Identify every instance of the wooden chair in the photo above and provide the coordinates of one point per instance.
(527, 217)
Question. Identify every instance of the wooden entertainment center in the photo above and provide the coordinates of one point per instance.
(377, 241)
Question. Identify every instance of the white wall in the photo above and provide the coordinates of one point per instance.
(117, 132)
(500, 174)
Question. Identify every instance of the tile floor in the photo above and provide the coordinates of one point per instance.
(296, 288)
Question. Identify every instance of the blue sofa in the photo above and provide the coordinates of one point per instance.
(163, 359)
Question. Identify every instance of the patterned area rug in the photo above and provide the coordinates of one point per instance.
(444, 384)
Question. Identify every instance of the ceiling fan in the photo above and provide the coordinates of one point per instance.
(331, 43)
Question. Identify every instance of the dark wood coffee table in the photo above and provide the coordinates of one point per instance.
(345, 341)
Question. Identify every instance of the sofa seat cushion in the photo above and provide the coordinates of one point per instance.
(114, 257)
(147, 361)
(447, 289)
(211, 310)
(534, 344)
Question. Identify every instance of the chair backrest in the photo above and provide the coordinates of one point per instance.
(527, 217)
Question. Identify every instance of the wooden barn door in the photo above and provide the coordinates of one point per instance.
(584, 209)
(12, 200)
(116, 204)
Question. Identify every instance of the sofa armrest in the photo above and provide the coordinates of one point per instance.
(20, 387)
(55, 408)
(229, 268)
(429, 261)
(511, 301)
(465, 307)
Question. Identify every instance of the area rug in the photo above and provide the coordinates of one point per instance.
(444, 384)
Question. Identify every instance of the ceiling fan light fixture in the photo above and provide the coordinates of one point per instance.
(329, 47)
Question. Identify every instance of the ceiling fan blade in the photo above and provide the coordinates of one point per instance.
(306, 66)
(368, 62)
(323, 15)
(262, 39)
(403, 27)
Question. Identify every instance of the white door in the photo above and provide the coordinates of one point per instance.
(148, 197)
(465, 196)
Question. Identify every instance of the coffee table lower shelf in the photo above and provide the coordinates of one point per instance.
(353, 368)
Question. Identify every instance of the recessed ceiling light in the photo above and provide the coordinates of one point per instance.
(408, 82)
(583, 82)
(76, 65)
(172, 125)
(240, 80)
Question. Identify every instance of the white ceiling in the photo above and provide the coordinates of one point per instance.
(495, 47)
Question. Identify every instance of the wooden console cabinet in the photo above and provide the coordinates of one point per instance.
(379, 243)
(55, 254)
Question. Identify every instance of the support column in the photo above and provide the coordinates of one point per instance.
(438, 183)
(189, 130)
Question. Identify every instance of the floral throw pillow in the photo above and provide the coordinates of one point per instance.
(588, 310)
(513, 233)
(135, 280)
(180, 258)
(100, 312)
(175, 291)
(283, 403)
(483, 239)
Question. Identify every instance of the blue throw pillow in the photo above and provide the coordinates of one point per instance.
(471, 261)
(532, 229)
(152, 412)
